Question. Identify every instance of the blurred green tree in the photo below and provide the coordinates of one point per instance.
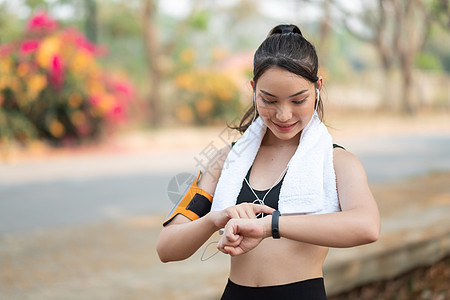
(160, 51)
(90, 8)
(10, 23)
(398, 29)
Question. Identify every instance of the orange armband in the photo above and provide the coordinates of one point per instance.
(194, 204)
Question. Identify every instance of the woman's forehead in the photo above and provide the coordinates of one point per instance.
(282, 80)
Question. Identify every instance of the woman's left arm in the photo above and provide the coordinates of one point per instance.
(358, 223)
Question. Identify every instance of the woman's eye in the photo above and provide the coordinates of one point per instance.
(299, 102)
(267, 101)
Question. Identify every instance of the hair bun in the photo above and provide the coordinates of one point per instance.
(285, 29)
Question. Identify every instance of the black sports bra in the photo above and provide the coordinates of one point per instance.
(246, 194)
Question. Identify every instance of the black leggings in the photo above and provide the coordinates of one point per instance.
(311, 289)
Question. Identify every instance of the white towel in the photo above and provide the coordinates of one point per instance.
(309, 186)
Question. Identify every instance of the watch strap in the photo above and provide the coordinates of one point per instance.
(275, 224)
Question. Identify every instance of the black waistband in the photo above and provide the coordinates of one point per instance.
(311, 289)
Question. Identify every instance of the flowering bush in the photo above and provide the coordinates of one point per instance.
(206, 95)
(52, 86)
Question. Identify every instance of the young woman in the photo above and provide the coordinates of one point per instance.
(285, 193)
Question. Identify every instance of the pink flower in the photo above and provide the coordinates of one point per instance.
(76, 38)
(29, 46)
(124, 88)
(41, 21)
(94, 99)
(56, 75)
(83, 43)
(117, 113)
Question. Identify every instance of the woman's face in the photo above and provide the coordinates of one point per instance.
(285, 102)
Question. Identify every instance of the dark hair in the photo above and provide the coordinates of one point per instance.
(284, 47)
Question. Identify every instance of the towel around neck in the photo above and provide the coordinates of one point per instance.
(309, 186)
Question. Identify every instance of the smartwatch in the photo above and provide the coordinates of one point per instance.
(275, 222)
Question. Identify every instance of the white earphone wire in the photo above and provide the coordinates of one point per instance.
(254, 105)
(317, 99)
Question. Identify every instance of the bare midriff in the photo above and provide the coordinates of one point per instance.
(275, 262)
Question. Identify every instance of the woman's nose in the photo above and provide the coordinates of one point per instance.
(284, 113)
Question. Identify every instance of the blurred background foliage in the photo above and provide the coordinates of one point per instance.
(52, 86)
(149, 63)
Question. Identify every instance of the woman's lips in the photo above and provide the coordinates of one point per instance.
(284, 127)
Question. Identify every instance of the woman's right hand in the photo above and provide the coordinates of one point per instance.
(240, 211)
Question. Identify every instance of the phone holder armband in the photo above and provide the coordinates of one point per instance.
(194, 204)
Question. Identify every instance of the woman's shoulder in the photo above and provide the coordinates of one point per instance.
(212, 171)
(346, 162)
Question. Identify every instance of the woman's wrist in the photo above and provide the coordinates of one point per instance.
(211, 219)
(267, 224)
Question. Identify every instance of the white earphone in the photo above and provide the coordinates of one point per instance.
(254, 104)
(318, 98)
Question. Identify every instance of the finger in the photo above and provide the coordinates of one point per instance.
(231, 213)
(221, 248)
(222, 244)
(251, 212)
(230, 237)
(244, 212)
(233, 251)
(226, 248)
(247, 211)
(240, 209)
(232, 240)
(258, 208)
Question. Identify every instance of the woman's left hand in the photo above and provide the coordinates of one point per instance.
(242, 235)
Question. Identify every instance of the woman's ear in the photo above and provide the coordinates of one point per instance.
(252, 82)
(319, 83)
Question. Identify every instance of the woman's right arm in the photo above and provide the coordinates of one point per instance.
(182, 237)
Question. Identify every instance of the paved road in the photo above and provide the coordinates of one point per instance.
(48, 198)
(395, 158)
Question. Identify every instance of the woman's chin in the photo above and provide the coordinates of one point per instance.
(285, 135)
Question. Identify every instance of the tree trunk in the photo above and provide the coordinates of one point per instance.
(413, 27)
(398, 33)
(383, 41)
(390, 91)
(407, 85)
(90, 8)
(325, 30)
(153, 60)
